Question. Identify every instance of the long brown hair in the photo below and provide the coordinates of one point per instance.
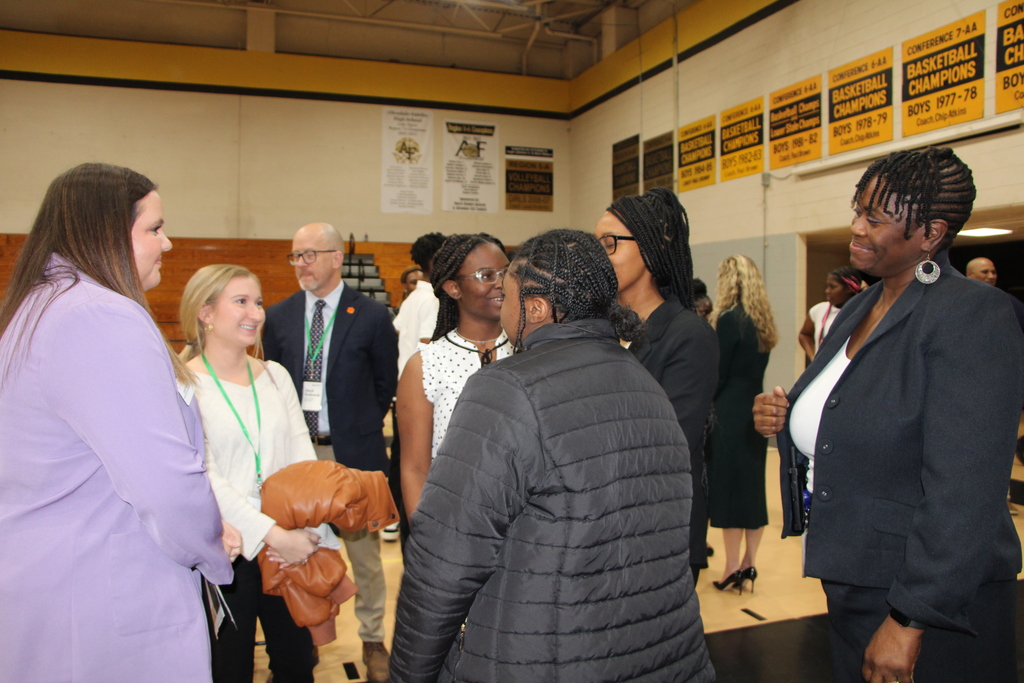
(86, 217)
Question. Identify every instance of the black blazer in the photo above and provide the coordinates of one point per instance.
(680, 349)
(914, 449)
(362, 370)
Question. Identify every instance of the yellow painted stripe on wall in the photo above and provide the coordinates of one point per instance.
(650, 49)
(697, 23)
(155, 62)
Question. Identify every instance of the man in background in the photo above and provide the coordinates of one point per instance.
(342, 353)
(983, 270)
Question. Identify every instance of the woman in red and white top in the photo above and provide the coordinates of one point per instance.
(841, 285)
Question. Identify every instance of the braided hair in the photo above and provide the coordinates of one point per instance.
(424, 248)
(848, 277)
(571, 270)
(447, 261)
(658, 222)
(925, 185)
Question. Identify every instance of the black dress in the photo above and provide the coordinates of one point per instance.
(736, 462)
(681, 351)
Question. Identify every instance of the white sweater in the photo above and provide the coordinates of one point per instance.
(231, 464)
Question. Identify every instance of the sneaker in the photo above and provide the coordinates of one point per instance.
(375, 657)
(391, 533)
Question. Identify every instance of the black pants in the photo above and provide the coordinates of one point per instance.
(289, 647)
(855, 614)
(395, 479)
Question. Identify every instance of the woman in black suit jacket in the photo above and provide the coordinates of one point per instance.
(648, 241)
(909, 414)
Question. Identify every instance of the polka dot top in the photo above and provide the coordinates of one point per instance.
(446, 367)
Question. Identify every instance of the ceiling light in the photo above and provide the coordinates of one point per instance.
(984, 232)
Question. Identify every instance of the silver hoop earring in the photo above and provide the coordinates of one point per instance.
(927, 277)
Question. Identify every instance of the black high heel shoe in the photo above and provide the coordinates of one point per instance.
(734, 579)
(749, 574)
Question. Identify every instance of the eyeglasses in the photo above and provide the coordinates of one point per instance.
(611, 242)
(309, 256)
(486, 276)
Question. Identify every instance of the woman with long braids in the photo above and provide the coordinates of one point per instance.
(736, 493)
(841, 285)
(550, 542)
(467, 276)
(897, 450)
(647, 238)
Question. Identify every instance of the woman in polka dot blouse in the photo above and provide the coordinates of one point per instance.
(467, 279)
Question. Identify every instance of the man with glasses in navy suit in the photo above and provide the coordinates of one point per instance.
(342, 353)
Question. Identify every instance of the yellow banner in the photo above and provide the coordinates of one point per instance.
(794, 123)
(944, 76)
(1010, 57)
(742, 140)
(697, 154)
(860, 103)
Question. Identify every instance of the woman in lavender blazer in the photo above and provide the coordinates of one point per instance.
(106, 512)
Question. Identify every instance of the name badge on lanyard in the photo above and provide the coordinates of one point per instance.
(312, 396)
(313, 392)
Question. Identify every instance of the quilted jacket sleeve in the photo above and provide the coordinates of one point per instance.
(479, 483)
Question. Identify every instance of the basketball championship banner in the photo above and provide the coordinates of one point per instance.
(944, 76)
(742, 140)
(1010, 57)
(697, 154)
(794, 123)
(860, 103)
(626, 167)
(658, 163)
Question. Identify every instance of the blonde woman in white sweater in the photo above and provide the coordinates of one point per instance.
(254, 426)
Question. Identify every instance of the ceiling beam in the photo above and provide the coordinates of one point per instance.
(430, 28)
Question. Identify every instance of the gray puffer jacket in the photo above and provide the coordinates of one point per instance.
(550, 543)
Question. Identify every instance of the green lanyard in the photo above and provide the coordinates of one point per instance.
(313, 353)
(256, 400)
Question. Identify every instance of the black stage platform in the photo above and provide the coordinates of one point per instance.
(794, 651)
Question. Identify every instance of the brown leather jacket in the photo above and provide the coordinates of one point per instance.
(307, 494)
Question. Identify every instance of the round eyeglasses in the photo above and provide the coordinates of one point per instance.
(486, 276)
(308, 256)
(611, 242)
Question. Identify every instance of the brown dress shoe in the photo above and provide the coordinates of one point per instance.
(375, 657)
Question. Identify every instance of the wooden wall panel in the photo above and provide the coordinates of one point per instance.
(265, 258)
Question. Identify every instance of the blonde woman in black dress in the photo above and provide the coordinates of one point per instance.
(736, 493)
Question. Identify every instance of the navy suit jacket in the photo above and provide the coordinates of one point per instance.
(914, 449)
(361, 374)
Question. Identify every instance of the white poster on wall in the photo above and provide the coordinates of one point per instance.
(407, 161)
(471, 167)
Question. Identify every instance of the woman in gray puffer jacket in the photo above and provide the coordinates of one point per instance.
(550, 543)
